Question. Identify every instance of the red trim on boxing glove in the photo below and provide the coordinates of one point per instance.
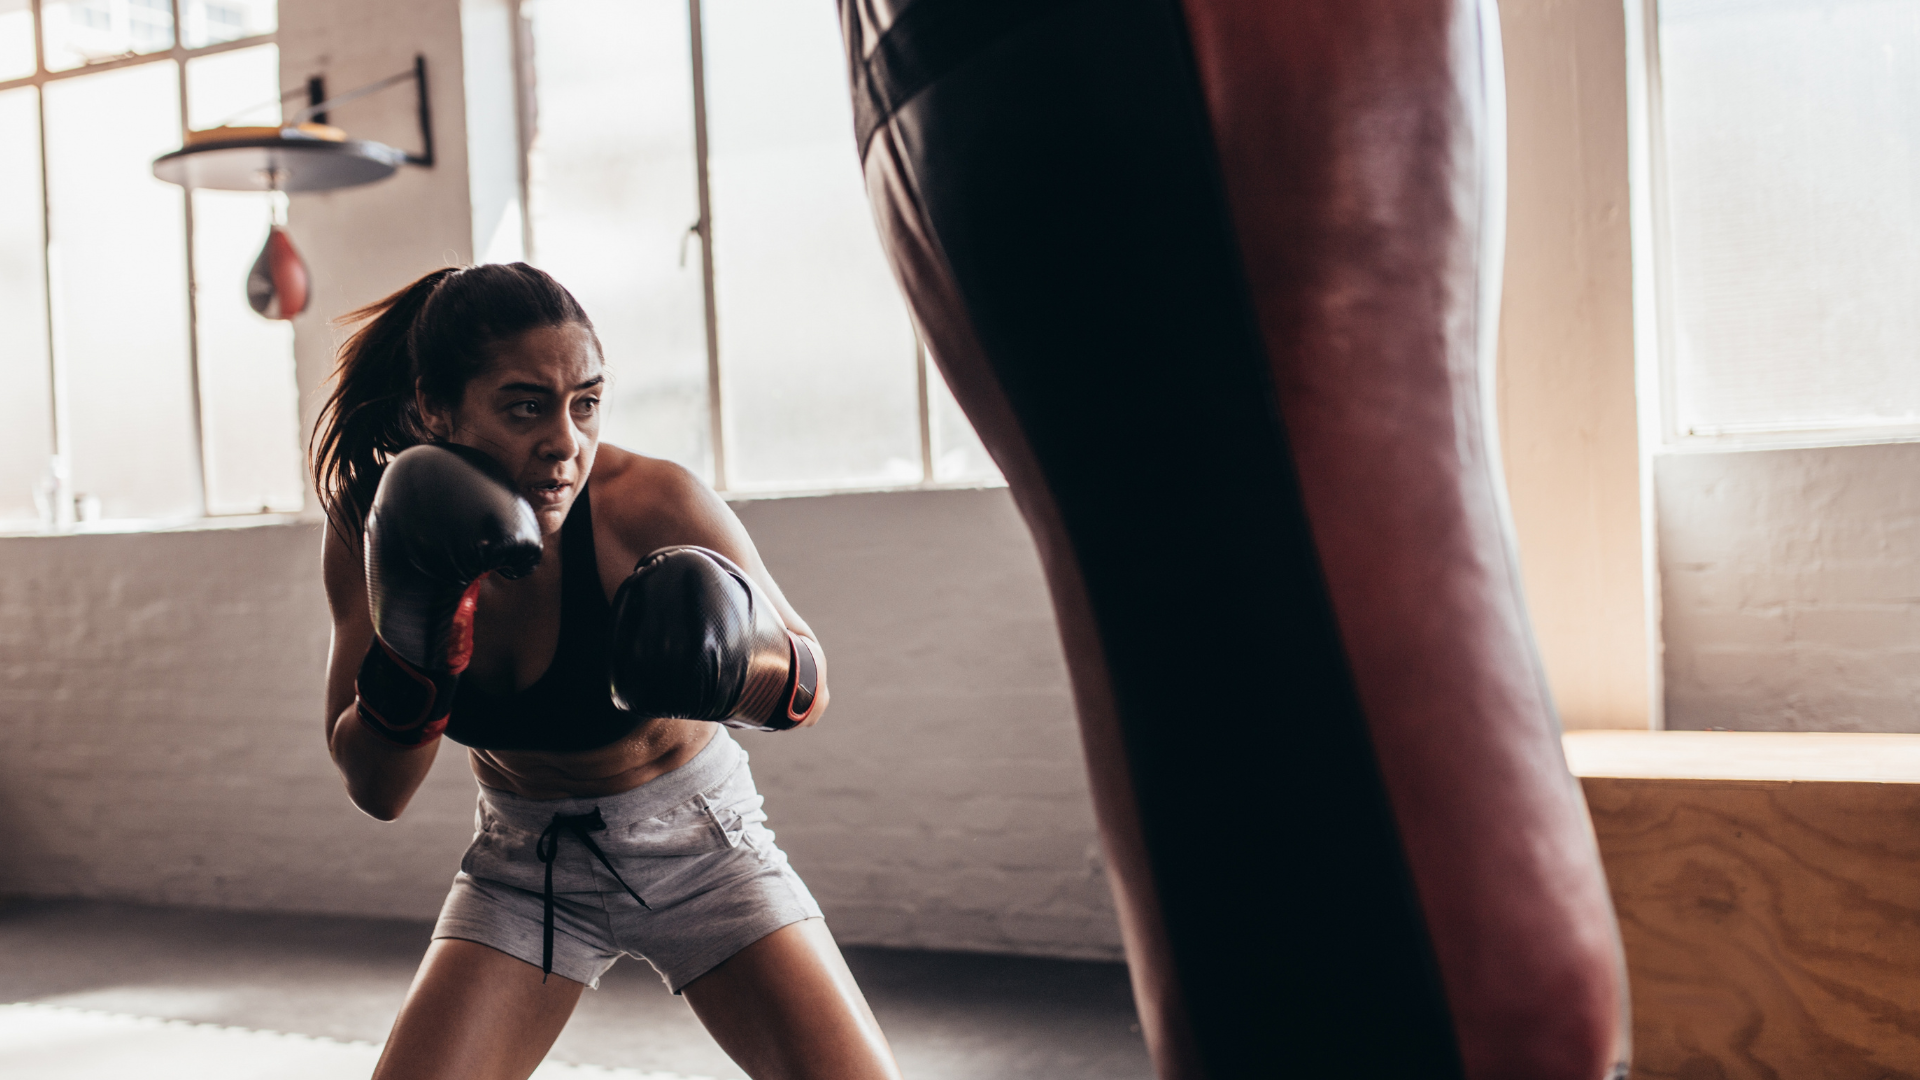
(401, 703)
(460, 632)
(803, 685)
(407, 706)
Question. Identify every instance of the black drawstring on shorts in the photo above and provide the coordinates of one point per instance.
(549, 847)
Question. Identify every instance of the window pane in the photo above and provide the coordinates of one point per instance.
(958, 456)
(815, 348)
(16, 38)
(1792, 155)
(83, 31)
(210, 22)
(612, 198)
(119, 273)
(241, 86)
(26, 416)
(249, 399)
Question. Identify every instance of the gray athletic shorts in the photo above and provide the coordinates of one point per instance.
(693, 844)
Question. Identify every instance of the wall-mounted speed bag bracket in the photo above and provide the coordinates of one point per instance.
(305, 153)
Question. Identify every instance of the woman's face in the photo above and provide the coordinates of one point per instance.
(536, 411)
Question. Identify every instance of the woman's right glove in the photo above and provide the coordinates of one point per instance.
(444, 517)
(694, 637)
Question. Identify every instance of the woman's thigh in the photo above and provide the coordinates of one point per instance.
(787, 1008)
(475, 1013)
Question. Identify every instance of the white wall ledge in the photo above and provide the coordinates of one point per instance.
(124, 526)
(121, 527)
(1857, 757)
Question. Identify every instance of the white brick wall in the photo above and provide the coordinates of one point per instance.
(1791, 588)
(160, 732)
(943, 802)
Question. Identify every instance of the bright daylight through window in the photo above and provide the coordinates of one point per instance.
(145, 389)
(820, 382)
(108, 420)
(1788, 166)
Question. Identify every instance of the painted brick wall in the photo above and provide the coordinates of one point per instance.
(943, 802)
(160, 732)
(1791, 588)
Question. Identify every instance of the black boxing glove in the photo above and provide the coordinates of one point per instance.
(694, 637)
(444, 517)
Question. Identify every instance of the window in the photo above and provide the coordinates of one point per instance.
(212, 22)
(16, 39)
(763, 343)
(1786, 139)
(143, 386)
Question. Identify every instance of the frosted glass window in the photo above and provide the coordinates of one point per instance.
(16, 39)
(210, 22)
(119, 273)
(26, 417)
(249, 398)
(1792, 166)
(80, 32)
(816, 352)
(612, 197)
(958, 455)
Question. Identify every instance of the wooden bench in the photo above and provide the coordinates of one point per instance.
(1768, 888)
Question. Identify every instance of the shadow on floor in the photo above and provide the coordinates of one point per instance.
(950, 1016)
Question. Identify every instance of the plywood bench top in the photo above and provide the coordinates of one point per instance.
(1745, 755)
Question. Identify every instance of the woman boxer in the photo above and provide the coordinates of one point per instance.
(480, 564)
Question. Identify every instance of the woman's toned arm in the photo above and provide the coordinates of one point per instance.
(381, 776)
(651, 504)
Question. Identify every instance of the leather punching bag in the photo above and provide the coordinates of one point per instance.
(1217, 283)
(277, 284)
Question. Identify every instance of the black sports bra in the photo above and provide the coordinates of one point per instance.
(569, 707)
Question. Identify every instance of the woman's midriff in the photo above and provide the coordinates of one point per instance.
(654, 749)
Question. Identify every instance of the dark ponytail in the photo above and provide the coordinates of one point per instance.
(437, 334)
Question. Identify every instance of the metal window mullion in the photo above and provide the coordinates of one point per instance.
(180, 57)
(42, 76)
(716, 414)
(39, 41)
(56, 429)
(1656, 422)
(1661, 214)
(526, 117)
(920, 361)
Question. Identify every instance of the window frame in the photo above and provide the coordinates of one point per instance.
(1656, 332)
(526, 46)
(39, 80)
(525, 122)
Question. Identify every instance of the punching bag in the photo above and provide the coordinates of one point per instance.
(1217, 283)
(277, 284)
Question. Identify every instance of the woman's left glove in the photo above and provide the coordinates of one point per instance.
(694, 637)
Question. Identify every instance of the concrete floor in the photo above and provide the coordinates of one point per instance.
(950, 1016)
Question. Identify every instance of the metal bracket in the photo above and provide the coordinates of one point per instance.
(318, 103)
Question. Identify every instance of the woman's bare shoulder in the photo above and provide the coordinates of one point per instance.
(653, 501)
